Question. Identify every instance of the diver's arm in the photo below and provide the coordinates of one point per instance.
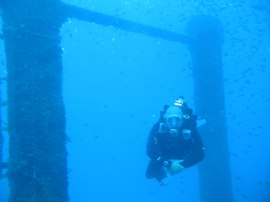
(153, 151)
(152, 147)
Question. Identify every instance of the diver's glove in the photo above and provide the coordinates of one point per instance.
(176, 167)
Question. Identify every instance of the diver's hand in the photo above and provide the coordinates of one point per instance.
(176, 167)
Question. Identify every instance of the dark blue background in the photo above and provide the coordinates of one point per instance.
(115, 83)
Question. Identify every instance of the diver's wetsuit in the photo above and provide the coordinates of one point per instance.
(162, 146)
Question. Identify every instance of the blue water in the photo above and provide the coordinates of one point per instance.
(116, 82)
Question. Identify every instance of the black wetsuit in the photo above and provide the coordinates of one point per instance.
(162, 147)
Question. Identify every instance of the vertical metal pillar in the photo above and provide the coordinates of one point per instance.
(206, 51)
(36, 119)
(1, 136)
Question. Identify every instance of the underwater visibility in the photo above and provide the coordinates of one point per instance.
(152, 101)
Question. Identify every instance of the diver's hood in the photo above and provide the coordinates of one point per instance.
(173, 111)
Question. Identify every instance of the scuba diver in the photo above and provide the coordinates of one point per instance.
(174, 143)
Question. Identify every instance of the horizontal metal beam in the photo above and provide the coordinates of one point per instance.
(127, 25)
(130, 26)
